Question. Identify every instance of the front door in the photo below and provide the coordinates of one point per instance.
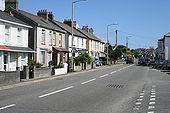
(6, 66)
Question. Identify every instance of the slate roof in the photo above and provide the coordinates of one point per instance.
(39, 20)
(6, 16)
(90, 35)
(168, 34)
(68, 29)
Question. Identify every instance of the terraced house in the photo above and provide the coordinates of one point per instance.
(13, 43)
(95, 45)
(45, 38)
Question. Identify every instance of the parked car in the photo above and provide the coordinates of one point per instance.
(129, 60)
(166, 64)
(98, 62)
(141, 61)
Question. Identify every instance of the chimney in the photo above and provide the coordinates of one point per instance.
(43, 14)
(85, 28)
(91, 30)
(11, 3)
(51, 15)
(68, 22)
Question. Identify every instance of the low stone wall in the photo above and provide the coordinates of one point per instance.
(89, 66)
(78, 68)
(61, 71)
(42, 72)
(9, 77)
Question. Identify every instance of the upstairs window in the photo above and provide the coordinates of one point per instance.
(50, 38)
(7, 33)
(54, 39)
(19, 35)
(60, 40)
(43, 37)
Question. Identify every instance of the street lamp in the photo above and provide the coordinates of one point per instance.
(108, 40)
(72, 34)
(127, 38)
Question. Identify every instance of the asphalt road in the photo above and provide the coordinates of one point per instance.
(115, 89)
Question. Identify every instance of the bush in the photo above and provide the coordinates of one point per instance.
(32, 63)
(52, 63)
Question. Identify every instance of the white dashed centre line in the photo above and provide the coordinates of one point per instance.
(8, 106)
(150, 111)
(88, 81)
(104, 75)
(48, 94)
(153, 96)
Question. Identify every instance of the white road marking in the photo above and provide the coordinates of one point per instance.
(54, 92)
(153, 93)
(150, 111)
(153, 96)
(140, 99)
(151, 103)
(138, 103)
(153, 86)
(104, 75)
(88, 81)
(8, 106)
(151, 99)
(142, 93)
(113, 72)
(151, 107)
(141, 96)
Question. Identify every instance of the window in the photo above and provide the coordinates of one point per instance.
(19, 35)
(7, 33)
(54, 39)
(1, 60)
(50, 38)
(42, 61)
(60, 40)
(43, 37)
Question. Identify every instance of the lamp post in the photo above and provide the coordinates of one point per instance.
(127, 43)
(72, 33)
(108, 41)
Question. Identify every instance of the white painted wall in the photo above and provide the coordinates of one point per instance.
(167, 48)
(79, 43)
(15, 59)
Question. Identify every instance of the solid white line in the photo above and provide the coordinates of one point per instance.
(55, 92)
(5, 107)
(104, 75)
(88, 81)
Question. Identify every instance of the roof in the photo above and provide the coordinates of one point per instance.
(90, 35)
(168, 34)
(68, 29)
(39, 20)
(16, 49)
(6, 16)
(61, 49)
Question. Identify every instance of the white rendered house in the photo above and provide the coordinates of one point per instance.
(13, 43)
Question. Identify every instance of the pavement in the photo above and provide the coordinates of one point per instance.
(121, 88)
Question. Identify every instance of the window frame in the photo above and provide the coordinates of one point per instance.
(43, 33)
(7, 33)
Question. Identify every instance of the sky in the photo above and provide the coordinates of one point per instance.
(143, 21)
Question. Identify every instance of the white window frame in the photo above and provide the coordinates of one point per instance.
(7, 34)
(42, 57)
(43, 36)
(54, 39)
(50, 38)
(60, 40)
(19, 35)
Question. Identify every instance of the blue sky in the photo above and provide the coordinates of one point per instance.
(144, 20)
